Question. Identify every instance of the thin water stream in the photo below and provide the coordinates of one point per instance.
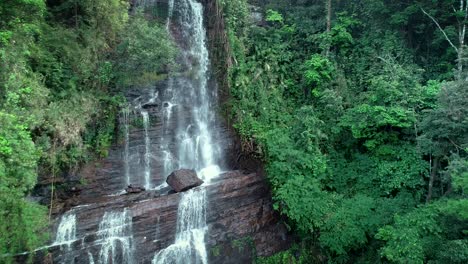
(126, 124)
(189, 246)
(116, 238)
(66, 231)
(148, 154)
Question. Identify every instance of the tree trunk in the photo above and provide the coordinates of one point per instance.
(329, 16)
(461, 35)
(432, 179)
(76, 15)
(460, 63)
(329, 13)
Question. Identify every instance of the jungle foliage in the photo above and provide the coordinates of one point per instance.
(61, 89)
(363, 126)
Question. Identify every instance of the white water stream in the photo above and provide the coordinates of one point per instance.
(66, 231)
(170, 12)
(189, 246)
(126, 120)
(195, 143)
(148, 154)
(116, 238)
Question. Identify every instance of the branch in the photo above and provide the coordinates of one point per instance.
(456, 145)
(440, 28)
(464, 23)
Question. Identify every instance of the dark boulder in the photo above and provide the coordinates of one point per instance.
(150, 105)
(132, 188)
(182, 180)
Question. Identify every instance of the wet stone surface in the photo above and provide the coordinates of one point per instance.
(239, 210)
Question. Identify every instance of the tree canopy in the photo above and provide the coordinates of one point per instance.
(358, 110)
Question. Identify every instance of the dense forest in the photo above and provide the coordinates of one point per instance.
(358, 110)
(63, 68)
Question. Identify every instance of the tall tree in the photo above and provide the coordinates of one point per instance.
(461, 15)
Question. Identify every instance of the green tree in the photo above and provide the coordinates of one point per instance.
(136, 54)
(21, 221)
(445, 130)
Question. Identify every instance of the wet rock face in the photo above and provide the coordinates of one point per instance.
(183, 180)
(240, 218)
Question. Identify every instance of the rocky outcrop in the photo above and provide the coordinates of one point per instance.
(183, 180)
(219, 47)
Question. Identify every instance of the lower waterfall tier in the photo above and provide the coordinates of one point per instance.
(240, 219)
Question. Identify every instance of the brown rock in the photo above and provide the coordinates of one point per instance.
(183, 180)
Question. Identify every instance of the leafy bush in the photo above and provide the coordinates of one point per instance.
(21, 221)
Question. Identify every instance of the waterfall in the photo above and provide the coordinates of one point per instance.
(195, 143)
(170, 11)
(126, 121)
(196, 149)
(66, 235)
(148, 154)
(168, 160)
(66, 231)
(115, 234)
(90, 258)
(186, 141)
(189, 246)
(167, 163)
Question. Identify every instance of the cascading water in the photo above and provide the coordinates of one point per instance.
(66, 235)
(148, 155)
(170, 11)
(115, 236)
(196, 149)
(189, 246)
(90, 258)
(195, 142)
(168, 160)
(66, 231)
(126, 156)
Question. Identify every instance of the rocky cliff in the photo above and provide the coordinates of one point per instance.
(96, 221)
